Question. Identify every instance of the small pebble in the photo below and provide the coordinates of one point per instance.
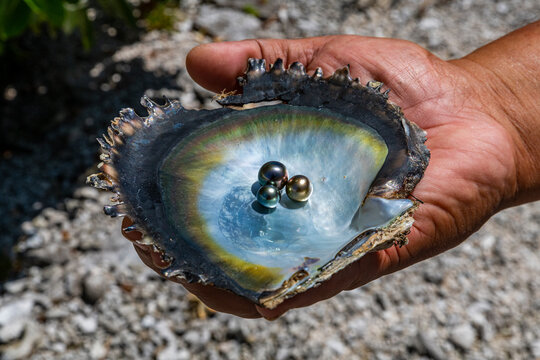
(463, 336)
(87, 325)
(94, 286)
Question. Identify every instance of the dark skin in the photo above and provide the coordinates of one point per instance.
(481, 115)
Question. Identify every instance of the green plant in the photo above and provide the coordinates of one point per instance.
(16, 16)
(251, 10)
(163, 15)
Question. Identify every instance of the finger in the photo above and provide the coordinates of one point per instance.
(130, 235)
(370, 267)
(216, 66)
(144, 254)
(405, 67)
(215, 298)
(222, 300)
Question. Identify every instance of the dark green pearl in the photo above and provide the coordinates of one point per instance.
(268, 196)
(299, 188)
(273, 173)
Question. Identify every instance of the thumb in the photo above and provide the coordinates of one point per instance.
(216, 66)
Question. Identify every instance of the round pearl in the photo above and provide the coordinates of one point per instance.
(299, 188)
(268, 196)
(273, 173)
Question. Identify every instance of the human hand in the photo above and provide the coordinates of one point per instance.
(477, 152)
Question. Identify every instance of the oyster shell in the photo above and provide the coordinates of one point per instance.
(188, 178)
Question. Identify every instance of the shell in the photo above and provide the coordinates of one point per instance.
(188, 178)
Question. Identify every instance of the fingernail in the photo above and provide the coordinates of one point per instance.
(159, 259)
(132, 235)
(141, 246)
(267, 314)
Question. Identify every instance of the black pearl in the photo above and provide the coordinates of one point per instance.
(299, 188)
(273, 173)
(268, 196)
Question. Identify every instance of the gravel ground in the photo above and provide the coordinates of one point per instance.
(83, 293)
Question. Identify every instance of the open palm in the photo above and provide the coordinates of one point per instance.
(472, 165)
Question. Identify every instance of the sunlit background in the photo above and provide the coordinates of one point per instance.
(73, 288)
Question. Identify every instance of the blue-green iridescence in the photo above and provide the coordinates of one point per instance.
(274, 173)
(206, 183)
(268, 196)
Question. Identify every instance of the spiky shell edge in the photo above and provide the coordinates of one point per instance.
(256, 81)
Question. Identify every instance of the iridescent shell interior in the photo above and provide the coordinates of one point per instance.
(188, 179)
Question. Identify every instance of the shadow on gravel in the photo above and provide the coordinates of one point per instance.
(55, 100)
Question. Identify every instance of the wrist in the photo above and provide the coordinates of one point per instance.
(507, 73)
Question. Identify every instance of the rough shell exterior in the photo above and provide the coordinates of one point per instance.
(402, 170)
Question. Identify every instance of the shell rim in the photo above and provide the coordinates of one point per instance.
(129, 122)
